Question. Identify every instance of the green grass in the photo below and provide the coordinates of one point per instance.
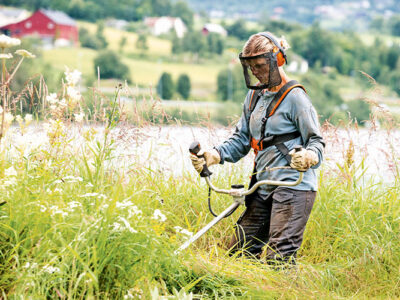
(72, 229)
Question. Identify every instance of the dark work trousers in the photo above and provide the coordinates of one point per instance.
(277, 223)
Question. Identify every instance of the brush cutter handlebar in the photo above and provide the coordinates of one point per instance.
(237, 192)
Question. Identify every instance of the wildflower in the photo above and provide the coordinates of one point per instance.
(5, 55)
(28, 119)
(7, 42)
(52, 98)
(72, 179)
(8, 118)
(89, 195)
(74, 95)
(79, 117)
(183, 231)
(28, 265)
(74, 204)
(25, 53)
(127, 225)
(73, 77)
(51, 269)
(19, 119)
(158, 215)
(10, 172)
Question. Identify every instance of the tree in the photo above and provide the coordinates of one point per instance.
(215, 43)
(182, 10)
(165, 86)
(184, 86)
(177, 46)
(88, 40)
(238, 29)
(231, 85)
(141, 43)
(100, 35)
(122, 43)
(395, 25)
(110, 66)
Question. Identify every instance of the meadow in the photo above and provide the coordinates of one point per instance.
(94, 202)
(97, 212)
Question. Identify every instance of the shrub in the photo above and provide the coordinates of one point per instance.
(165, 86)
(183, 86)
(111, 66)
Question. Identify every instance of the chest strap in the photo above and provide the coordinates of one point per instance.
(277, 141)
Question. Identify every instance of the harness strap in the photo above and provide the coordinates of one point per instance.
(275, 140)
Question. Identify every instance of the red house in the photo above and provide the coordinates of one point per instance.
(49, 25)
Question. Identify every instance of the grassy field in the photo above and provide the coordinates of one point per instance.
(77, 227)
(144, 73)
(146, 70)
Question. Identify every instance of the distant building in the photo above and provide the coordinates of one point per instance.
(160, 25)
(213, 28)
(51, 26)
(12, 15)
(297, 64)
(117, 23)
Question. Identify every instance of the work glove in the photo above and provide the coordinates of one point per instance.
(210, 157)
(304, 159)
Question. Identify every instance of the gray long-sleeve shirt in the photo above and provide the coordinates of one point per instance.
(294, 113)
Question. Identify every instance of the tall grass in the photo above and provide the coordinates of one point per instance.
(74, 226)
(82, 216)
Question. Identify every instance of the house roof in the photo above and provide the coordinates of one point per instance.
(212, 27)
(12, 12)
(58, 17)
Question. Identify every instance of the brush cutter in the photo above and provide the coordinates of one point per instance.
(237, 191)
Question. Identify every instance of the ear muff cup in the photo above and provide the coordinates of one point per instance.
(279, 57)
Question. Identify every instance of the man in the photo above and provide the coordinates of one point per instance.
(277, 116)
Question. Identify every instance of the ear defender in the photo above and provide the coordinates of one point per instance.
(279, 57)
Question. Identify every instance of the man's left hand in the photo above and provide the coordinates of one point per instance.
(304, 159)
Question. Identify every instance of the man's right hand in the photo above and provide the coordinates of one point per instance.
(210, 157)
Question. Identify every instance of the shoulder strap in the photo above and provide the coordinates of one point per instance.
(276, 101)
(281, 95)
(255, 96)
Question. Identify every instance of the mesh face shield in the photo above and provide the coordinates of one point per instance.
(261, 71)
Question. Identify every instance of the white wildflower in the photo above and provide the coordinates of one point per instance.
(7, 42)
(25, 53)
(10, 172)
(19, 119)
(127, 225)
(9, 182)
(183, 231)
(89, 195)
(57, 181)
(51, 269)
(74, 204)
(28, 119)
(73, 77)
(6, 55)
(55, 210)
(8, 118)
(74, 94)
(89, 184)
(43, 208)
(158, 215)
(28, 265)
(52, 98)
(62, 103)
(72, 179)
(116, 226)
(79, 117)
